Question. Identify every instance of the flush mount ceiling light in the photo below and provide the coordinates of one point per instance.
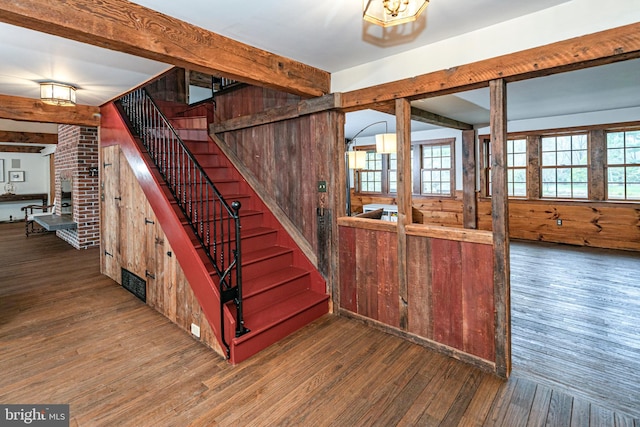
(54, 93)
(387, 13)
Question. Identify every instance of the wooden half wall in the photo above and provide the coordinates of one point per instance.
(450, 285)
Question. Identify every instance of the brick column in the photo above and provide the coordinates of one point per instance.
(76, 158)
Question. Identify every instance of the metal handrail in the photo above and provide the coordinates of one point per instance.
(215, 222)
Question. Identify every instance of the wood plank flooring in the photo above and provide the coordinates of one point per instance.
(70, 335)
(576, 321)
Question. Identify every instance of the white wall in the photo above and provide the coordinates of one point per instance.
(36, 175)
(567, 20)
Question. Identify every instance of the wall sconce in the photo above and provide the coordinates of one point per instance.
(93, 171)
(60, 94)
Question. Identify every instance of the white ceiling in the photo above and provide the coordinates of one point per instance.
(329, 35)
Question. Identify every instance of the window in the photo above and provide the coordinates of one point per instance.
(565, 167)
(370, 178)
(393, 173)
(436, 170)
(623, 165)
(516, 167)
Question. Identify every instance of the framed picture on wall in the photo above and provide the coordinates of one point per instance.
(16, 176)
(1, 170)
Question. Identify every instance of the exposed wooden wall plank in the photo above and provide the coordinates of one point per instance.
(348, 288)
(446, 276)
(500, 226)
(477, 300)
(448, 233)
(134, 29)
(419, 287)
(388, 293)
(278, 114)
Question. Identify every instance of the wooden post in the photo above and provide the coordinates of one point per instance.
(469, 171)
(336, 202)
(500, 209)
(403, 131)
(597, 161)
(533, 167)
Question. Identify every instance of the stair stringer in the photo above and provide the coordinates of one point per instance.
(114, 131)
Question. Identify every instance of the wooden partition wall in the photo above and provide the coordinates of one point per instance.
(450, 294)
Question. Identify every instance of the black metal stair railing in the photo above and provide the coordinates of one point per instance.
(215, 222)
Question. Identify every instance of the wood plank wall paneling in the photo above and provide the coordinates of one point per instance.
(450, 287)
(368, 274)
(477, 300)
(419, 287)
(446, 276)
(600, 225)
(348, 289)
(283, 156)
(132, 234)
(613, 226)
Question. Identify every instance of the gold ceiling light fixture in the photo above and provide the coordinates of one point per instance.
(54, 93)
(387, 13)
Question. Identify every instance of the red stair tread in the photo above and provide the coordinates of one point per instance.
(263, 320)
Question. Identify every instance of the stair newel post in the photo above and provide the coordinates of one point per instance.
(240, 328)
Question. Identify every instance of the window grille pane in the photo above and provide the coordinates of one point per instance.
(623, 176)
(549, 159)
(615, 156)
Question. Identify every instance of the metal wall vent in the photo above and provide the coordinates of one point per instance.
(134, 284)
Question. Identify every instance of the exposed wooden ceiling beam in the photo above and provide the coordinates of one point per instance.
(34, 110)
(130, 28)
(614, 45)
(436, 119)
(20, 149)
(200, 79)
(425, 117)
(28, 137)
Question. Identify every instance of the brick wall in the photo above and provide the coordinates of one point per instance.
(76, 159)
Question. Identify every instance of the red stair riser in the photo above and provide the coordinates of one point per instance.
(246, 349)
(255, 269)
(268, 297)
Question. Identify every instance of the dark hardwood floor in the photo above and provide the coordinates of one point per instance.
(70, 335)
(576, 321)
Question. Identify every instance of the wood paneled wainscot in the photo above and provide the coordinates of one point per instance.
(450, 295)
(134, 240)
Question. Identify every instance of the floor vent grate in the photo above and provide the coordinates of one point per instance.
(134, 284)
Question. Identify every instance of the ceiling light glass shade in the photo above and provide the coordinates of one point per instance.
(387, 13)
(357, 159)
(57, 93)
(386, 143)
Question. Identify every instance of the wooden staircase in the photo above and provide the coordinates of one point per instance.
(282, 290)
